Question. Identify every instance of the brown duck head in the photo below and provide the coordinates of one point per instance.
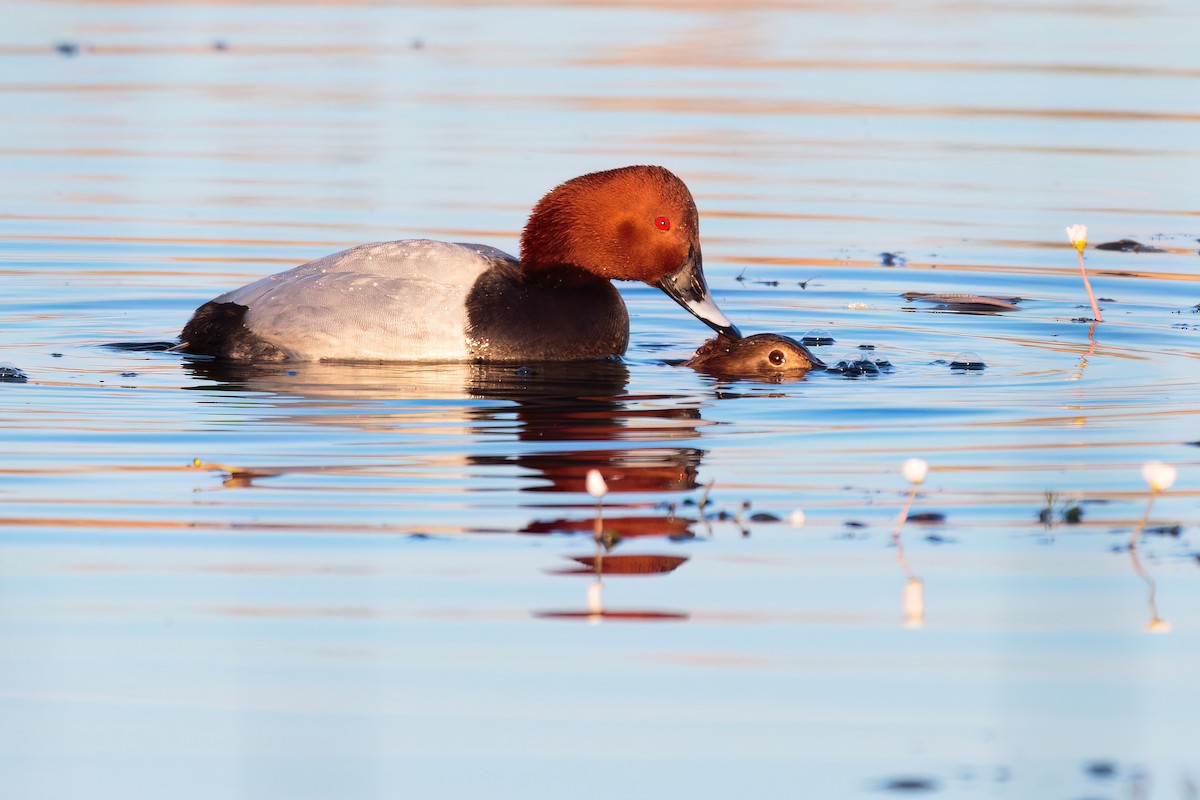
(763, 356)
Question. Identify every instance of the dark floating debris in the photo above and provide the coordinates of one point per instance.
(910, 784)
(927, 518)
(763, 516)
(1165, 530)
(129, 374)
(892, 260)
(140, 347)
(1069, 510)
(220, 45)
(67, 49)
(854, 368)
(1129, 246)
(968, 360)
(1101, 769)
(866, 362)
(56, 355)
(817, 337)
(965, 302)
(10, 374)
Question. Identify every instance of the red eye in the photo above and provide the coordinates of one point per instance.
(663, 224)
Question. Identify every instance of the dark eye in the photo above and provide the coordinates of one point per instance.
(776, 357)
(663, 224)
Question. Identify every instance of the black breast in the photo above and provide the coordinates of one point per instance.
(219, 329)
(569, 317)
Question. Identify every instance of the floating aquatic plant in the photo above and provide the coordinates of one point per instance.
(1077, 235)
(1066, 508)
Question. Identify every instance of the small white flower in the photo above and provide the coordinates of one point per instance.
(1158, 475)
(914, 470)
(796, 518)
(1077, 235)
(596, 486)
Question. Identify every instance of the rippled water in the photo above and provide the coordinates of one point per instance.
(381, 580)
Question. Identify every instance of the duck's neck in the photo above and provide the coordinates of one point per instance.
(559, 276)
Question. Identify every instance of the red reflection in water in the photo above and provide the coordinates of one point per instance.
(618, 527)
(640, 564)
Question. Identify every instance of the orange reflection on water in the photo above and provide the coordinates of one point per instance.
(626, 564)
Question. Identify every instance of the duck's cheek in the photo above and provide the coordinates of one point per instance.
(651, 259)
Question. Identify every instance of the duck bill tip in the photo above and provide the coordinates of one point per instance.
(688, 288)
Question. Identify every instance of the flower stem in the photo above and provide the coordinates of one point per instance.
(1088, 285)
(1137, 532)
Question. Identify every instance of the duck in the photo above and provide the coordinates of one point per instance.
(426, 300)
(769, 355)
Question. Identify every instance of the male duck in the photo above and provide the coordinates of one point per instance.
(421, 300)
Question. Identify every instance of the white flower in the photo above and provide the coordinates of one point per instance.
(914, 470)
(1077, 235)
(596, 486)
(796, 518)
(1158, 475)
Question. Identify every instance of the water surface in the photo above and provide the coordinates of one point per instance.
(381, 580)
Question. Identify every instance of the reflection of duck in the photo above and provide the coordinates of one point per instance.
(601, 565)
(619, 527)
(596, 613)
(571, 403)
(645, 470)
(763, 356)
(357, 383)
(626, 564)
(420, 300)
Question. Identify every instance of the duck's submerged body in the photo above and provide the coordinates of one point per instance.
(411, 300)
(421, 300)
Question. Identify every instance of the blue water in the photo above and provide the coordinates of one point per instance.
(311, 581)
